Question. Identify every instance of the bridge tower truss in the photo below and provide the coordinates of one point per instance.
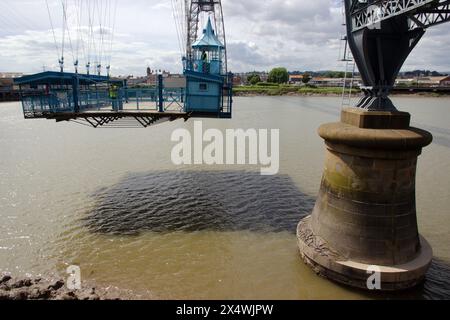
(381, 34)
(194, 10)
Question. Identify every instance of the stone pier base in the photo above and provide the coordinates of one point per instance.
(365, 214)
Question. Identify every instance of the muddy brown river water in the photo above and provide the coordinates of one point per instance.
(111, 202)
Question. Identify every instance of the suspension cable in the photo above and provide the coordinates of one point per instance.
(177, 24)
(112, 33)
(53, 29)
(91, 40)
(78, 10)
(66, 27)
(81, 35)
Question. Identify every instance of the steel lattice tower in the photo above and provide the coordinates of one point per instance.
(194, 9)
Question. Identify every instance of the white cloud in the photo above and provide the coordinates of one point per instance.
(261, 34)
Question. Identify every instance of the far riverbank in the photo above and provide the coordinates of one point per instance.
(285, 90)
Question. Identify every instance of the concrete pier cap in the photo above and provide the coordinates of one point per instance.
(364, 219)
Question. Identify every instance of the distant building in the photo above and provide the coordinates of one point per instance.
(9, 91)
(6, 83)
(238, 80)
(431, 82)
(405, 82)
(10, 75)
(132, 81)
(295, 78)
(443, 81)
(335, 82)
(174, 81)
(152, 79)
(152, 76)
(327, 82)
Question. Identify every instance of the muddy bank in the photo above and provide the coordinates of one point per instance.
(44, 289)
(293, 94)
(315, 94)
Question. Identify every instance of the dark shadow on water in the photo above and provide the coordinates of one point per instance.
(170, 201)
(437, 285)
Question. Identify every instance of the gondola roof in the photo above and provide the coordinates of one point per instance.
(63, 78)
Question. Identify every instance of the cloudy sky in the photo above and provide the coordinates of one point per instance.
(261, 34)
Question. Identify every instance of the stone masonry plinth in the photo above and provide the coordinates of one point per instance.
(365, 214)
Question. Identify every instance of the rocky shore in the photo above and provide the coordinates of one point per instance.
(42, 289)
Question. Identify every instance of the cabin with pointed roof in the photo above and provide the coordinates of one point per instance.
(208, 90)
(208, 52)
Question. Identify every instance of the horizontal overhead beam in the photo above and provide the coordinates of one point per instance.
(53, 77)
(374, 12)
(431, 17)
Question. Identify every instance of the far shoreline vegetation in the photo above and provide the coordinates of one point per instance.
(281, 82)
(309, 90)
(287, 89)
(278, 84)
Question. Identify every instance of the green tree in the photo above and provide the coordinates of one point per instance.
(253, 79)
(278, 75)
(334, 74)
(306, 78)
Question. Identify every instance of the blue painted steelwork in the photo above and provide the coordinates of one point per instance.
(152, 99)
(100, 100)
(208, 91)
(141, 98)
(59, 78)
(160, 93)
(207, 52)
(61, 92)
(53, 94)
